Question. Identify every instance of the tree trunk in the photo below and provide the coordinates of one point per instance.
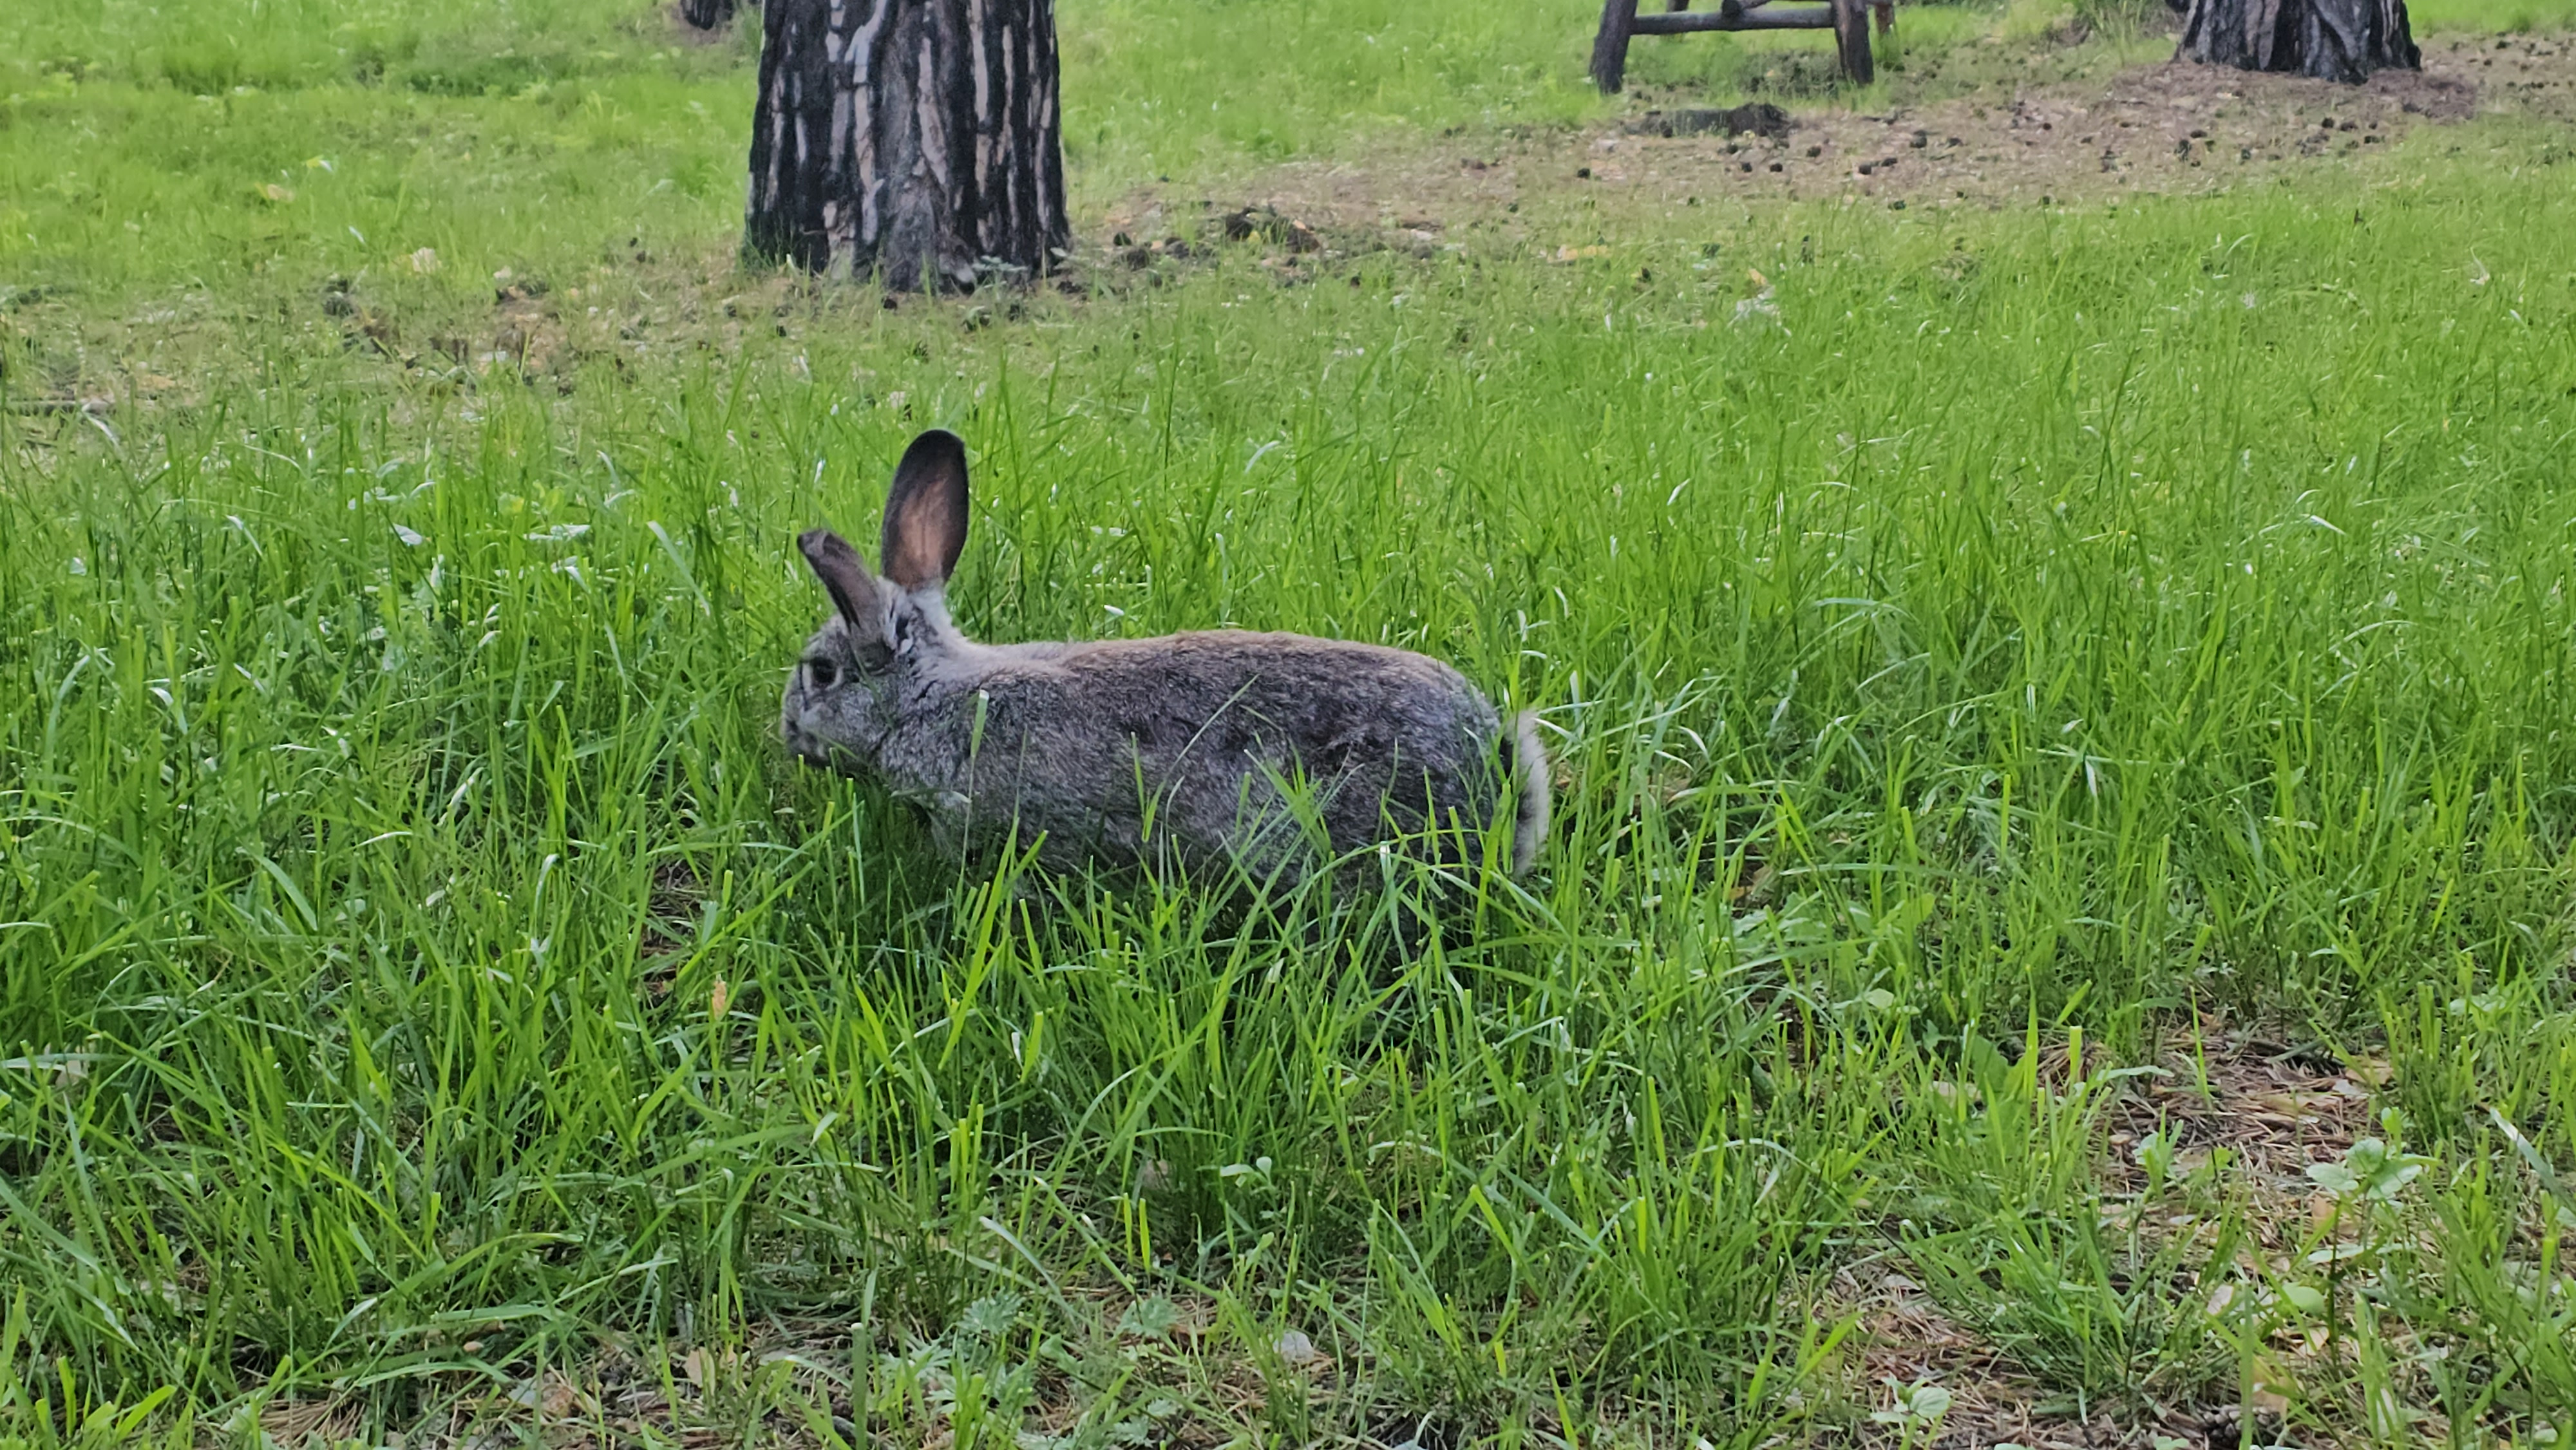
(912, 140)
(2335, 40)
(707, 14)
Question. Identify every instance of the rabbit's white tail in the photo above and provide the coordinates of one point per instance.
(1530, 774)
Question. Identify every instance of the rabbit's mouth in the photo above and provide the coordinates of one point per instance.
(804, 742)
(798, 739)
(816, 748)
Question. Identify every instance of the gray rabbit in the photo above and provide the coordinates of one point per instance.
(1207, 750)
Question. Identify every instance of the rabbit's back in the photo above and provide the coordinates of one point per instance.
(1209, 746)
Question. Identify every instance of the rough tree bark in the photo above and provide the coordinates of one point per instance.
(913, 140)
(2336, 40)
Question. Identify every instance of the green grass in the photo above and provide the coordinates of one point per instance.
(2052, 635)
(2449, 15)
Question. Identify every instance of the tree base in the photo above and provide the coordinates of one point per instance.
(2333, 40)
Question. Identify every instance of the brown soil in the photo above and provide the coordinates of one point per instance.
(2164, 128)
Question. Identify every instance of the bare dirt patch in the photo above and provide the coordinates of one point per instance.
(2154, 129)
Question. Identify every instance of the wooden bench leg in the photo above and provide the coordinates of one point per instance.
(1610, 47)
(1851, 40)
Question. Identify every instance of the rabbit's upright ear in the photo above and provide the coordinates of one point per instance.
(853, 593)
(925, 518)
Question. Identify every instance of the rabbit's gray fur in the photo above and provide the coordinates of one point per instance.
(1195, 750)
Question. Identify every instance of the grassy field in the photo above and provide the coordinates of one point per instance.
(2057, 930)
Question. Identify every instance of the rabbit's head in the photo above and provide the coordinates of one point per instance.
(884, 631)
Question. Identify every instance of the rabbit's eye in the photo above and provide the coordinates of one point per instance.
(822, 673)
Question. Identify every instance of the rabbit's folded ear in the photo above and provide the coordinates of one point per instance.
(925, 518)
(853, 593)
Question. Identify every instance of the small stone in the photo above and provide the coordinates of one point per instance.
(1297, 1349)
